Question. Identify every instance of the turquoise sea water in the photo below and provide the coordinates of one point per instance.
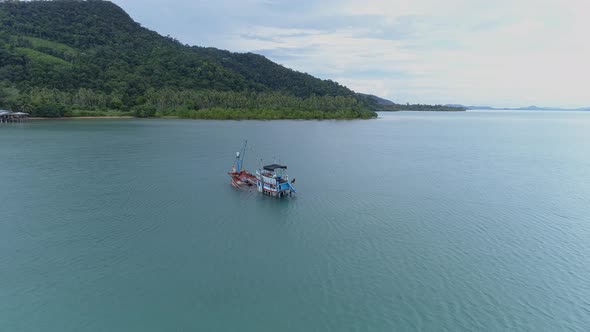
(474, 221)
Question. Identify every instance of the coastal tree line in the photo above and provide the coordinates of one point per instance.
(416, 107)
(45, 102)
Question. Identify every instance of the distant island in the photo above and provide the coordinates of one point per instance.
(528, 108)
(384, 105)
(89, 58)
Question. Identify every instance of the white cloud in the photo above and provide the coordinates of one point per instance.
(499, 52)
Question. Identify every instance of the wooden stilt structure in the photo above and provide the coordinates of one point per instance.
(9, 116)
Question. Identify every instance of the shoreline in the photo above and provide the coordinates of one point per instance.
(85, 117)
(178, 117)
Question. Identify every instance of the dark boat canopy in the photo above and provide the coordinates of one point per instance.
(273, 167)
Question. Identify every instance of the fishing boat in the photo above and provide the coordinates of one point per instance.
(239, 176)
(273, 180)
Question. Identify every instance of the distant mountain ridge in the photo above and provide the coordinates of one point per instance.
(375, 99)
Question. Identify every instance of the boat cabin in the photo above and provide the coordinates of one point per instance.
(273, 180)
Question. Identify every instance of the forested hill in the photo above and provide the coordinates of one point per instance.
(67, 57)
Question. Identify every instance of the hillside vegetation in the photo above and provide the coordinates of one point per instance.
(66, 58)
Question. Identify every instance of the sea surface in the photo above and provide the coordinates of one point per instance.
(469, 221)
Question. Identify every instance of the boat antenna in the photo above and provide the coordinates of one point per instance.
(244, 152)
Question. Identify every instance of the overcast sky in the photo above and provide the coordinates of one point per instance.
(476, 52)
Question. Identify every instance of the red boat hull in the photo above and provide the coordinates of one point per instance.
(242, 178)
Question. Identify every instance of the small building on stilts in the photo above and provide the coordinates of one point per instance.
(9, 116)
